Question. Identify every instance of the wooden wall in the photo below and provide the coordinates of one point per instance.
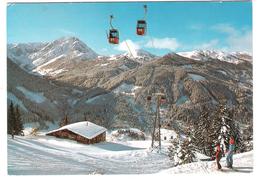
(73, 136)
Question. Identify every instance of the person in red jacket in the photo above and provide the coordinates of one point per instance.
(218, 155)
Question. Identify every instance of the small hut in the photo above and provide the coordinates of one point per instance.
(83, 132)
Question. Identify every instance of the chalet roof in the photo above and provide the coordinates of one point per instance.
(85, 128)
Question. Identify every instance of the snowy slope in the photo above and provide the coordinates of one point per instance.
(140, 56)
(16, 101)
(20, 53)
(37, 97)
(37, 55)
(49, 155)
(206, 55)
(127, 89)
(243, 163)
(70, 47)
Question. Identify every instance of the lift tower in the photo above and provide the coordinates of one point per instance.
(156, 132)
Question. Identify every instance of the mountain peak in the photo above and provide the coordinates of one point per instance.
(140, 55)
(207, 55)
(32, 55)
(68, 39)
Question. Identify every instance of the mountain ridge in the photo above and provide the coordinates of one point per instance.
(209, 55)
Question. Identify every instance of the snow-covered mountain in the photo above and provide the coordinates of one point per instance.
(20, 53)
(33, 55)
(55, 57)
(207, 55)
(111, 86)
(144, 56)
(140, 55)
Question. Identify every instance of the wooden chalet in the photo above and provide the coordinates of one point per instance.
(83, 132)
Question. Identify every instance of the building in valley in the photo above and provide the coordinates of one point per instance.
(83, 132)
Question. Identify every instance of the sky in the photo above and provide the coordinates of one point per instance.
(172, 26)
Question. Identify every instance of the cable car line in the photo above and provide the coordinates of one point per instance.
(129, 48)
(110, 22)
(113, 36)
(141, 26)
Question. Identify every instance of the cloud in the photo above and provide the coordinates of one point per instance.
(224, 28)
(67, 32)
(241, 42)
(129, 46)
(212, 44)
(237, 39)
(196, 27)
(163, 43)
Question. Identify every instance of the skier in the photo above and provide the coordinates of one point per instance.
(230, 152)
(218, 156)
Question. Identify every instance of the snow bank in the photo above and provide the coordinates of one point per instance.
(167, 134)
(15, 100)
(243, 163)
(60, 143)
(33, 96)
(127, 134)
(196, 77)
(182, 100)
(127, 89)
(98, 99)
(28, 127)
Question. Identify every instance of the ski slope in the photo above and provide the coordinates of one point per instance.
(242, 163)
(52, 156)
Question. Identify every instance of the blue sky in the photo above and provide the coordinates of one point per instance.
(172, 26)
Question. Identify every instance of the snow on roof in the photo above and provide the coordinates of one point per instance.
(85, 128)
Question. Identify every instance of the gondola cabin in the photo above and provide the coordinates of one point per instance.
(141, 27)
(113, 36)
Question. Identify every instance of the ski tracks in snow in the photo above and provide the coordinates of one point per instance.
(33, 156)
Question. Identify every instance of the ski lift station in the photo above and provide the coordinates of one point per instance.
(83, 132)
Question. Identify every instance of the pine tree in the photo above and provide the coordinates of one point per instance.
(187, 152)
(181, 151)
(65, 121)
(202, 133)
(18, 126)
(11, 119)
(225, 127)
(213, 127)
(231, 128)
